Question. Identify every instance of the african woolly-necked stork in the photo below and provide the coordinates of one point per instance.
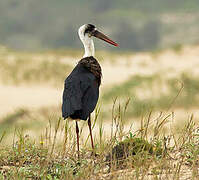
(81, 89)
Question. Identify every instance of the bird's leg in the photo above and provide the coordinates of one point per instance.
(89, 125)
(77, 132)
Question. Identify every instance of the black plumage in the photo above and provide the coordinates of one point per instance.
(81, 89)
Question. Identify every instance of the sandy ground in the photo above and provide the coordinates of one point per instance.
(13, 97)
(168, 64)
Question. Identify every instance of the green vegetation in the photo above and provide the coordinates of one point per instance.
(181, 92)
(132, 147)
(28, 120)
(8, 121)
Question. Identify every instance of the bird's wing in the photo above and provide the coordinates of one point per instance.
(80, 94)
(71, 97)
(90, 99)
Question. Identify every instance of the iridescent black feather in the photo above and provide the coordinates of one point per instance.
(81, 89)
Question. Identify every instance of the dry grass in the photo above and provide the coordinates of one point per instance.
(53, 155)
(28, 68)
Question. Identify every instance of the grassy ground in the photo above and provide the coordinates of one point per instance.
(148, 153)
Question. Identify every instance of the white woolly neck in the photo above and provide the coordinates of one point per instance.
(87, 42)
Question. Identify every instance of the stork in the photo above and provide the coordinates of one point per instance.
(81, 88)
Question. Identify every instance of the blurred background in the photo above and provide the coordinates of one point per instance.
(156, 64)
(137, 24)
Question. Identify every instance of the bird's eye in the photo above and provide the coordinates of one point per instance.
(90, 28)
(87, 31)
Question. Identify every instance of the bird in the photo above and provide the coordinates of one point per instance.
(81, 87)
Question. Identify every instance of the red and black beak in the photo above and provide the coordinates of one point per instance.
(101, 36)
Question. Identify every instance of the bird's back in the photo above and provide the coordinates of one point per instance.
(81, 89)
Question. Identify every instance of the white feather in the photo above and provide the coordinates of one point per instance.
(87, 41)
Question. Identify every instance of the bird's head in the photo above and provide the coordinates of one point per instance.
(88, 30)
